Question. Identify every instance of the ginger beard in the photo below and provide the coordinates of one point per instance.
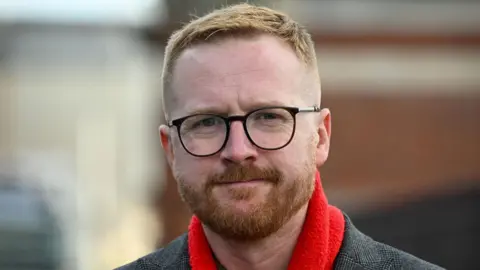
(284, 200)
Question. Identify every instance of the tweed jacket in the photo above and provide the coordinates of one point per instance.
(358, 252)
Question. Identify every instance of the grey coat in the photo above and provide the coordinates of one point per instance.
(357, 252)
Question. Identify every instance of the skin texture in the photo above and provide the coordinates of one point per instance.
(250, 225)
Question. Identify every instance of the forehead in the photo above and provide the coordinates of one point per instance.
(236, 74)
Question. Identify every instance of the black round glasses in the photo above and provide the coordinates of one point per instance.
(269, 128)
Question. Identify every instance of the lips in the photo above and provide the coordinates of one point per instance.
(241, 181)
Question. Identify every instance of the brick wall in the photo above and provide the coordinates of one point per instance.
(394, 147)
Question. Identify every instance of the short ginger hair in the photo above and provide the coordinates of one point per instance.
(241, 20)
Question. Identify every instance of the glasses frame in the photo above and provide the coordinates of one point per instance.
(243, 118)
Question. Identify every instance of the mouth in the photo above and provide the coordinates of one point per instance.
(244, 182)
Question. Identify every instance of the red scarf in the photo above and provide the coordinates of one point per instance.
(317, 246)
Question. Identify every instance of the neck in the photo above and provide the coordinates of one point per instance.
(272, 252)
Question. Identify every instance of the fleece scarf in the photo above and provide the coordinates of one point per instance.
(317, 246)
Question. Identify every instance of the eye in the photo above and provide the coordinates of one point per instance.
(202, 123)
(207, 122)
(271, 118)
(268, 116)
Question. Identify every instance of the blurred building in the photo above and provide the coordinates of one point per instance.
(29, 232)
(78, 110)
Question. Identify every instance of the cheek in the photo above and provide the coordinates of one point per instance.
(301, 145)
(191, 171)
(288, 158)
(306, 142)
(296, 155)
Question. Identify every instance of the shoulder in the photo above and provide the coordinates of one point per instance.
(359, 251)
(173, 256)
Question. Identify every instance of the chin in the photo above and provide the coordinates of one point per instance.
(243, 206)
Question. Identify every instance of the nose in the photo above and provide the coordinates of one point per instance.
(238, 149)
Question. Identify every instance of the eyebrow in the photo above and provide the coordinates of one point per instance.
(204, 110)
(222, 111)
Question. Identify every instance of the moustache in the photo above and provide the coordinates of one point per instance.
(235, 174)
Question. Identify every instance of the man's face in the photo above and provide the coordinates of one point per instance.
(234, 77)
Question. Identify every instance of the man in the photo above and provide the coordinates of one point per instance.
(245, 137)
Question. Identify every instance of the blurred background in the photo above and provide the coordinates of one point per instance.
(83, 181)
